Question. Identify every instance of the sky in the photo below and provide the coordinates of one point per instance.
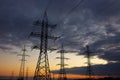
(94, 22)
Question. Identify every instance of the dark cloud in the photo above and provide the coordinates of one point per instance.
(107, 48)
(111, 69)
(103, 8)
(95, 23)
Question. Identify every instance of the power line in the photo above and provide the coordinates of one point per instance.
(42, 71)
(48, 5)
(74, 7)
(68, 13)
(107, 7)
(71, 10)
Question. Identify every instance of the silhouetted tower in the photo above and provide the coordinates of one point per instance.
(27, 73)
(22, 66)
(62, 72)
(89, 71)
(42, 71)
(12, 75)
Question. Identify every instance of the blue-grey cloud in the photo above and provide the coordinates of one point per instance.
(95, 23)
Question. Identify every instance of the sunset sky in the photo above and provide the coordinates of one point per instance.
(94, 22)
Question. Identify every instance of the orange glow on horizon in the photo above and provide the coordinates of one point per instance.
(69, 76)
(9, 63)
(77, 76)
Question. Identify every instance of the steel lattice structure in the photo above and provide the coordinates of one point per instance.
(62, 72)
(22, 66)
(89, 70)
(42, 71)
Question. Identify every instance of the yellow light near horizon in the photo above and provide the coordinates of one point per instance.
(9, 63)
(96, 60)
(75, 60)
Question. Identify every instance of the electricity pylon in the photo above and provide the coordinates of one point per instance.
(12, 76)
(62, 72)
(42, 71)
(27, 73)
(89, 71)
(22, 66)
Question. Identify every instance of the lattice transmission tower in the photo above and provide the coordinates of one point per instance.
(42, 71)
(12, 76)
(89, 70)
(27, 74)
(22, 66)
(62, 72)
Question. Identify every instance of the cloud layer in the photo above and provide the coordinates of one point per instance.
(95, 23)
